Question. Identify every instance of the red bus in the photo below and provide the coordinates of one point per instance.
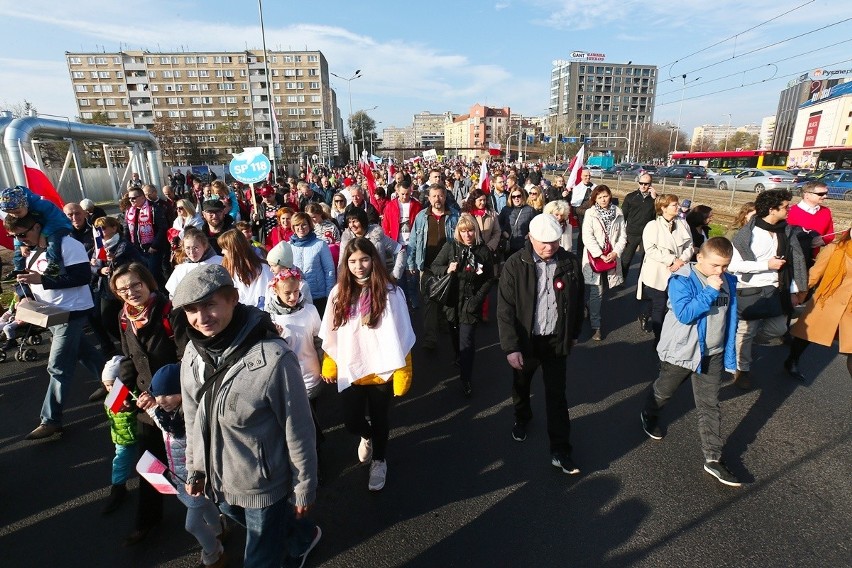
(765, 159)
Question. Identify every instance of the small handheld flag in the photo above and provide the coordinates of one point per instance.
(152, 470)
(116, 397)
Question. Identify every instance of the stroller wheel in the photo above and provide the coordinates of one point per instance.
(2, 355)
(35, 339)
(19, 356)
(30, 354)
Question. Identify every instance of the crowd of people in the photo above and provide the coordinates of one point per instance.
(225, 310)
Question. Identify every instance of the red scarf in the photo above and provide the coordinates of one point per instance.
(140, 220)
(478, 212)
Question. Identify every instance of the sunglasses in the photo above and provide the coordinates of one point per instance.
(820, 193)
(517, 196)
(645, 183)
(24, 234)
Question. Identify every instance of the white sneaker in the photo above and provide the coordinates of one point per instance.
(365, 450)
(378, 473)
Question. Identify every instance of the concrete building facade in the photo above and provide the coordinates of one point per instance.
(205, 105)
(612, 103)
(468, 135)
(822, 122)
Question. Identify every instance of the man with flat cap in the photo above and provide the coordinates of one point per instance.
(539, 317)
(250, 435)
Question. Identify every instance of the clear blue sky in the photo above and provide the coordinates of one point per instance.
(444, 56)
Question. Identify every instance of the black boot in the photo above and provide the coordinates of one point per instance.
(117, 495)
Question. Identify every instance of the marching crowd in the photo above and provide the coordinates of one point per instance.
(225, 310)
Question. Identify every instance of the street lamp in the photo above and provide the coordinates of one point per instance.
(680, 112)
(349, 87)
(727, 132)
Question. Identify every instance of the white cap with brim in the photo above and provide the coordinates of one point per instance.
(281, 255)
(200, 284)
(545, 228)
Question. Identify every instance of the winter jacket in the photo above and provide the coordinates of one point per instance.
(593, 239)
(516, 301)
(317, 266)
(390, 221)
(262, 445)
(683, 338)
(474, 274)
(638, 211)
(516, 222)
(122, 427)
(662, 248)
(146, 351)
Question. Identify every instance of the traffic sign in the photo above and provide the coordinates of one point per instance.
(570, 140)
(250, 166)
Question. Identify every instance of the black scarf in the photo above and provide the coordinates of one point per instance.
(172, 422)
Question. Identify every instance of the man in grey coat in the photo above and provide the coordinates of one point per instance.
(250, 435)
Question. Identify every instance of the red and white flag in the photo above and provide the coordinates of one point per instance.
(152, 470)
(576, 167)
(37, 181)
(495, 148)
(371, 179)
(116, 397)
(391, 171)
(484, 178)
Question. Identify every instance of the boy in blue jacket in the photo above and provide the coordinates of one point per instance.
(19, 201)
(698, 340)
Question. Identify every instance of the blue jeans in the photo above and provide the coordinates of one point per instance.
(122, 463)
(410, 284)
(69, 346)
(273, 534)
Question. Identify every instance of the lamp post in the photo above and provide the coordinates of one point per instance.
(349, 87)
(361, 124)
(680, 112)
(727, 132)
(672, 129)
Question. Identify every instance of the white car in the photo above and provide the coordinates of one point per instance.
(757, 180)
(595, 171)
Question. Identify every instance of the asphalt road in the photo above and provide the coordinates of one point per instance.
(461, 492)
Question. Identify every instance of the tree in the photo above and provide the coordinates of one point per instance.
(741, 140)
(19, 109)
(362, 127)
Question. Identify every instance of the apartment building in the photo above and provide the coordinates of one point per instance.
(608, 102)
(203, 106)
(468, 135)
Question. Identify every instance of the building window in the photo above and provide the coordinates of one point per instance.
(81, 88)
(313, 72)
(314, 85)
(226, 86)
(75, 60)
(78, 75)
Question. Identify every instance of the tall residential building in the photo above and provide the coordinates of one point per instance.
(468, 135)
(767, 132)
(393, 137)
(205, 105)
(429, 127)
(608, 102)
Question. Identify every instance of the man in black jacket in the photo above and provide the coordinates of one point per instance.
(539, 315)
(638, 209)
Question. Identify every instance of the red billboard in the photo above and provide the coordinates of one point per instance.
(811, 132)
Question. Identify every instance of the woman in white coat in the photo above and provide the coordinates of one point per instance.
(603, 222)
(667, 241)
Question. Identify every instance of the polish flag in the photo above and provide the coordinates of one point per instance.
(371, 179)
(495, 148)
(38, 182)
(484, 178)
(152, 470)
(116, 397)
(391, 171)
(576, 167)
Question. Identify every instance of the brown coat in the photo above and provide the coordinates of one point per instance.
(823, 323)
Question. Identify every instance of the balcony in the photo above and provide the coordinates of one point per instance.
(141, 105)
(257, 65)
(134, 64)
(136, 77)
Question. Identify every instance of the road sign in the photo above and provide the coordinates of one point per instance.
(570, 140)
(250, 166)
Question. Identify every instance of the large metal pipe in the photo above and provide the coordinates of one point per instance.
(21, 131)
(6, 178)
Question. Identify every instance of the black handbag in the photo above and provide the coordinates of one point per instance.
(443, 289)
(759, 303)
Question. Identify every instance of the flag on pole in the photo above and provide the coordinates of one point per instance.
(152, 470)
(371, 179)
(576, 167)
(38, 182)
(100, 249)
(273, 120)
(391, 170)
(484, 178)
(494, 148)
(116, 397)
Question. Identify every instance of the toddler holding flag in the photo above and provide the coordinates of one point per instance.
(202, 517)
(122, 429)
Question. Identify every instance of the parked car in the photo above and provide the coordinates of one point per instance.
(595, 170)
(683, 172)
(839, 183)
(800, 173)
(637, 170)
(757, 180)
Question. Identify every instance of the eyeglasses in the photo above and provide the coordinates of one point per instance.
(517, 196)
(24, 234)
(339, 201)
(645, 183)
(134, 287)
(533, 193)
(135, 197)
(179, 208)
(819, 193)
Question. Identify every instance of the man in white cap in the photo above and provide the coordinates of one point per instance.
(250, 439)
(539, 317)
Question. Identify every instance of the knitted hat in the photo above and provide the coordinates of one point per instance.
(281, 255)
(13, 198)
(110, 372)
(165, 381)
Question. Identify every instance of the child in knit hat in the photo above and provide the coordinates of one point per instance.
(202, 517)
(122, 429)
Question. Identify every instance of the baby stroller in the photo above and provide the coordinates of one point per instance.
(32, 336)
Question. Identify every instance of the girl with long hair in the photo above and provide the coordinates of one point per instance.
(367, 339)
(250, 274)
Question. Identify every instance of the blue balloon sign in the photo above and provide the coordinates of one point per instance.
(250, 166)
